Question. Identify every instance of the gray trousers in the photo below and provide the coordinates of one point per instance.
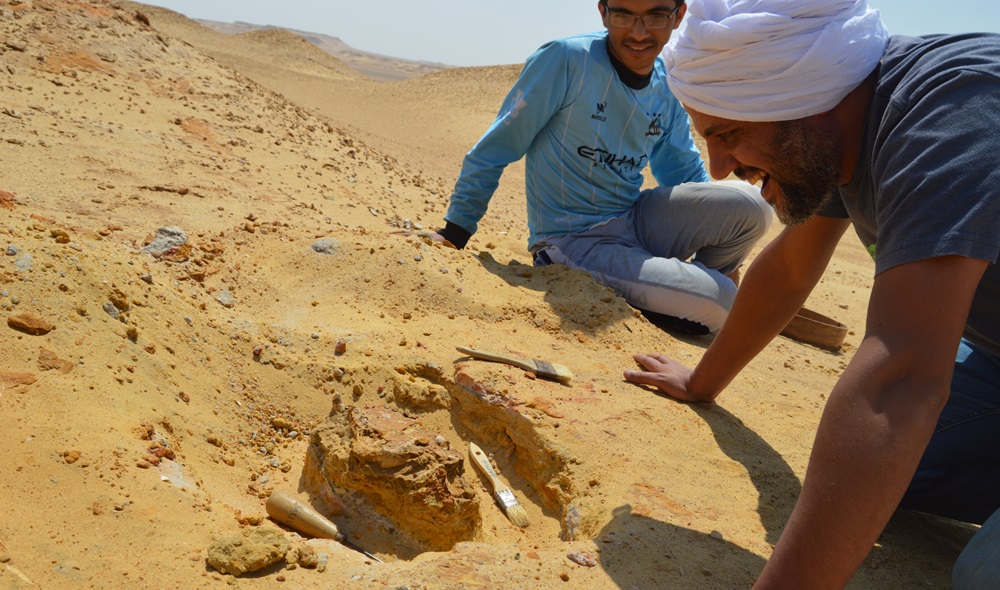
(670, 253)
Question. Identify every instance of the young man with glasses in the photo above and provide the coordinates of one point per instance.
(590, 112)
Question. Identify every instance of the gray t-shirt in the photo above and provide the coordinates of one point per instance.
(928, 179)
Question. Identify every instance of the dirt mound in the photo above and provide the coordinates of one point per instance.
(410, 475)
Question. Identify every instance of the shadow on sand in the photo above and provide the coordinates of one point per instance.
(777, 485)
(642, 552)
(562, 287)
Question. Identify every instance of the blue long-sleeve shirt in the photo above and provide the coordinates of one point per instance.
(587, 137)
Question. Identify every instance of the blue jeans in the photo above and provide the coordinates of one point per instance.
(959, 474)
(670, 253)
(978, 566)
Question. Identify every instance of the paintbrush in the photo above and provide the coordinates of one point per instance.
(504, 497)
(286, 509)
(543, 369)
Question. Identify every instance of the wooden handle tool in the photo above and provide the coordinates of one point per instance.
(501, 492)
(287, 509)
(543, 369)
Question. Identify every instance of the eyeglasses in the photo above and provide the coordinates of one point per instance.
(658, 20)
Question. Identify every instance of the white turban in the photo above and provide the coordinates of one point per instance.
(773, 60)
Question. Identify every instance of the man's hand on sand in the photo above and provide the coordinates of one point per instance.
(664, 373)
(429, 237)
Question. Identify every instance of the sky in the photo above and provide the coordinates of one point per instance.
(488, 32)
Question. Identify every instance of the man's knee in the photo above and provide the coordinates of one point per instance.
(760, 207)
(755, 209)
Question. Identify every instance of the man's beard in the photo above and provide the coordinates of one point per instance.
(807, 176)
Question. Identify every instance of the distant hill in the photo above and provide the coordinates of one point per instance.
(373, 65)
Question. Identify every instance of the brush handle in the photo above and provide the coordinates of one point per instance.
(492, 356)
(482, 462)
(288, 510)
(501, 492)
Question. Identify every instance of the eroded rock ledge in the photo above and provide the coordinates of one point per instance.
(405, 472)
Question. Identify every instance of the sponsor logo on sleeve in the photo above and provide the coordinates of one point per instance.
(516, 106)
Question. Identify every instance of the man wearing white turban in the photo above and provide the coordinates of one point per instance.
(842, 124)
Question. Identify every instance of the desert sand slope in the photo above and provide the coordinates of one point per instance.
(149, 403)
(431, 119)
(377, 67)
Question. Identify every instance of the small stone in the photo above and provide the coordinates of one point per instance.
(582, 558)
(167, 238)
(226, 299)
(326, 246)
(308, 558)
(249, 551)
(111, 310)
(29, 324)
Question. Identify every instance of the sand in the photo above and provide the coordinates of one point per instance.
(149, 403)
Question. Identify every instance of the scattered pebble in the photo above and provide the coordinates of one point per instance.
(167, 238)
(249, 551)
(29, 324)
(582, 558)
(226, 299)
(326, 246)
(111, 310)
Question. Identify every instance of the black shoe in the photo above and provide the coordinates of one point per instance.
(675, 324)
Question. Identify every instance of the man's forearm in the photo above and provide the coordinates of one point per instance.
(877, 422)
(760, 312)
(772, 291)
(867, 448)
